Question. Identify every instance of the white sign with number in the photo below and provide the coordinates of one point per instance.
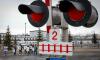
(55, 35)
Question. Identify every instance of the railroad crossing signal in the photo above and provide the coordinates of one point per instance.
(75, 12)
(78, 12)
(37, 12)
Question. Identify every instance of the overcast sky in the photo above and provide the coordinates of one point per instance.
(9, 15)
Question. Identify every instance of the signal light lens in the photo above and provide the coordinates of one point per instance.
(75, 15)
(37, 17)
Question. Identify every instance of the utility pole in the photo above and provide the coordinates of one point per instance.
(25, 33)
(64, 27)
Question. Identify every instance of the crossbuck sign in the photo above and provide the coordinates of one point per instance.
(56, 49)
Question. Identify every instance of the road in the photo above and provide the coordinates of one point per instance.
(79, 54)
(21, 58)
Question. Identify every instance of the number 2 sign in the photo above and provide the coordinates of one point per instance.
(55, 35)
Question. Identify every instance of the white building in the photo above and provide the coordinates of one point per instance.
(25, 39)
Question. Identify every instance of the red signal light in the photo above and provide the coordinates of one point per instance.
(37, 17)
(75, 15)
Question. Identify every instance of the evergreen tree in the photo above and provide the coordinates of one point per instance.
(70, 38)
(94, 39)
(7, 39)
(39, 36)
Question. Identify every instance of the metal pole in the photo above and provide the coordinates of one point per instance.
(25, 28)
(49, 22)
(25, 33)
